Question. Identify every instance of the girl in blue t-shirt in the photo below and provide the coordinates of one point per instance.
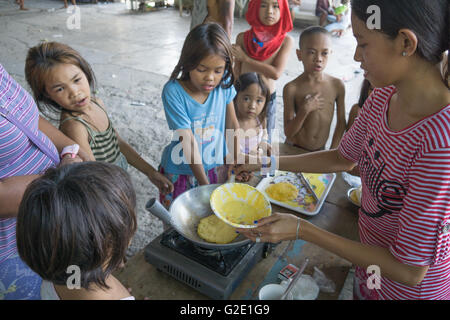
(198, 103)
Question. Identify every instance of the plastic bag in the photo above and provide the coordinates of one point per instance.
(306, 288)
(325, 284)
(353, 181)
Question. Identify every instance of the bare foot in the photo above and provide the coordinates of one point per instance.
(23, 8)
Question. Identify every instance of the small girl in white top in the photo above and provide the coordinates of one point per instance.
(251, 110)
(73, 229)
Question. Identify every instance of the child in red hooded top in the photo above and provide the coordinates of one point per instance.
(265, 47)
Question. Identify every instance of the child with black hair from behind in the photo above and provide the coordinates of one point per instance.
(79, 216)
(312, 99)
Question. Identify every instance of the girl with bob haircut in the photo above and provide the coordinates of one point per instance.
(250, 104)
(78, 215)
(198, 103)
(401, 144)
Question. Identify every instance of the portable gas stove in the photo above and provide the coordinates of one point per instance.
(215, 273)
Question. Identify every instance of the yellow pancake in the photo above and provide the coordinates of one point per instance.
(214, 230)
(282, 191)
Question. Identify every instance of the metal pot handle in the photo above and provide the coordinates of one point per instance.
(157, 209)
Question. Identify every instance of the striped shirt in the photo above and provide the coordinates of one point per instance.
(18, 155)
(104, 144)
(405, 193)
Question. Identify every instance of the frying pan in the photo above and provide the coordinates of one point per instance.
(186, 212)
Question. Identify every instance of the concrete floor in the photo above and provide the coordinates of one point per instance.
(132, 55)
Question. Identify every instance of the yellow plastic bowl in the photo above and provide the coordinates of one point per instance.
(239, 204)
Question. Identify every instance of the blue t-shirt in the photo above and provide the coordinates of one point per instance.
(206, 121)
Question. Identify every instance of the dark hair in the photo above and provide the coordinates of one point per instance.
(311, 31)
(40, 61)
(247, 79)
(204, 40)
(80, 214)
(364, 94)
(429, 20)
(445, 68)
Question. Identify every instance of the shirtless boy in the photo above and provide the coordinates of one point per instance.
(310, 98)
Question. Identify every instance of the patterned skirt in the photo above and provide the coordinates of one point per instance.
(183, 182)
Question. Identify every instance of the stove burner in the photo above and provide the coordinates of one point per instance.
(221, 261)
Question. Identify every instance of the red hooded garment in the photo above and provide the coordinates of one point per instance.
(262, 41)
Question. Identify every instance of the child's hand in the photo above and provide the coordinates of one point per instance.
(313, 102)
(244, 176)
(238, 53)
(246, 167)
(69, 160)
(161, 182)
(265, 149)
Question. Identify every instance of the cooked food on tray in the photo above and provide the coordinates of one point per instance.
(290, 190)
(282, 191)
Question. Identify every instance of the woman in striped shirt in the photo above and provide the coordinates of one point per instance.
(63, 81)
(21, 161)
(401, 143)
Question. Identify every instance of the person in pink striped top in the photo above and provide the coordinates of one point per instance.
(401, 143)
(21, 161)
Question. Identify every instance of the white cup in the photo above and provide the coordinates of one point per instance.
(272, 291)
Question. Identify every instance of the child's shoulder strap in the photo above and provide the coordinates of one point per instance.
(90, 131)
(98, 104)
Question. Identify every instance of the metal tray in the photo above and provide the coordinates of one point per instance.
(303, 203)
